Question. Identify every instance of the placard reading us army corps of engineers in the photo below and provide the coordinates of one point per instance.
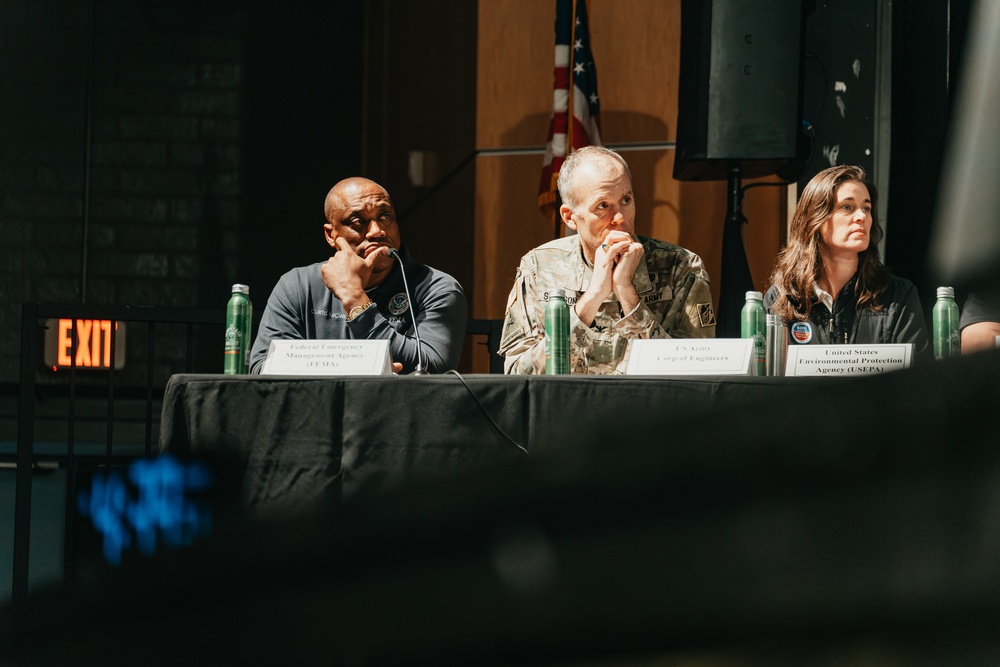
(847, 360)
(328, 357)
(690, 356)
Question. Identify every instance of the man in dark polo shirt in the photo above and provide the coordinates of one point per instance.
(358, 293)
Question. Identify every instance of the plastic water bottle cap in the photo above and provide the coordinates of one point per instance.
(753, 294)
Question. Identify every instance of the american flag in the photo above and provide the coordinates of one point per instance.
(583, 106)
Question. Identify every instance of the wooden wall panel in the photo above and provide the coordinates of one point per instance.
(515, 63)
(506, 227)
(636, 47)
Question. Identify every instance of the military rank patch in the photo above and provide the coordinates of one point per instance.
(511, 331)
(706, 314)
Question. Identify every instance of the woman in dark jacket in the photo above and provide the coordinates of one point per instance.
(829, 284)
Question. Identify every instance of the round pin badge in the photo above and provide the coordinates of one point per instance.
(398, 304)
(801, 332)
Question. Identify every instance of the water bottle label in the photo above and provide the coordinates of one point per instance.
(233, 339)
(955, 343)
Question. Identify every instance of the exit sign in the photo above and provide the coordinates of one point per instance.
(89, 340)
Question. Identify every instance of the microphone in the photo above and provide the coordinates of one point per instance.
(419, 370)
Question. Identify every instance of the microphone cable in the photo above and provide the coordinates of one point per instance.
(484, 411)
(420, 366)
(419, 370)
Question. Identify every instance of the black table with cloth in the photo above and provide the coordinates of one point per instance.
(299, 440)
(738, 520)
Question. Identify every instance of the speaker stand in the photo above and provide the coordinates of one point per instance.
(736, 278)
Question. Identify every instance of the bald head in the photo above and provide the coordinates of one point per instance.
(345, 190)
(582, 164)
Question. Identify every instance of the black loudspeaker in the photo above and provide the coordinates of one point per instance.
(740, 89)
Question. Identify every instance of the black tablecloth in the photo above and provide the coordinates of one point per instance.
(794, 521)
(307, 439)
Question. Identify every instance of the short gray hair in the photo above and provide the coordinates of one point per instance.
(574, 160)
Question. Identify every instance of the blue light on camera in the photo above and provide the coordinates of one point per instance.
(155, 504)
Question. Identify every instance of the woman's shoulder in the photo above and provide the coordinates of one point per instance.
(900, 292)
(899, 285)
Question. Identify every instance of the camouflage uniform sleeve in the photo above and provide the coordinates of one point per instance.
(694, 316)
(639, 323)
(522, 342)
(687, 314)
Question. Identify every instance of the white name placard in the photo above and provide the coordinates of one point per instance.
(328, 357)
(690, 356)
(847, 360)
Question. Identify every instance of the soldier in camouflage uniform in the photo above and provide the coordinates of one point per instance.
(619, 286)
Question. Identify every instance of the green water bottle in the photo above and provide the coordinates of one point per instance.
(944, 317)
(556, 333)
(239, 319)
(753, 325)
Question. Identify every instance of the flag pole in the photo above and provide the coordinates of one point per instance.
(569, 101)
(574, 75)
(557, 228)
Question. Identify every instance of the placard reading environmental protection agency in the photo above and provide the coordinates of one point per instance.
(847, 360)
(690, 356)
(328, 357)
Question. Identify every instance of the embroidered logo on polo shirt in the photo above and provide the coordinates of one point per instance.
(398, 304)
(801, 332)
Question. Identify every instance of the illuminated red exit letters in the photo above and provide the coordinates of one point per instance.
(92, 343)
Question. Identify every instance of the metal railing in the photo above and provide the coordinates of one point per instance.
(142, 385)
(33, 317)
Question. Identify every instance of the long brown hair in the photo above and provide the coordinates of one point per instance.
(799, 264)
